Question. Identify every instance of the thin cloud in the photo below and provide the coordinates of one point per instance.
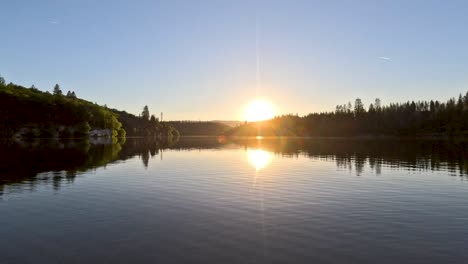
(53, 21)
(385, 58)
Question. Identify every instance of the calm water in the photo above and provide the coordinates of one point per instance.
(241, 201)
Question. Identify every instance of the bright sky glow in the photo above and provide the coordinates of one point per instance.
(204, 65)
(259, 110)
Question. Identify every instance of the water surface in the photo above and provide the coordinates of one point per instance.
(234, 201)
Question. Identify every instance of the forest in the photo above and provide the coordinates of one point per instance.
(199, 128)
(421, 118)
(145, 125)
(55, 114)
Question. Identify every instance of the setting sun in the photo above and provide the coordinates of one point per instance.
(259, 110)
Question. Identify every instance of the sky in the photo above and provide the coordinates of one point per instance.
(205, 60)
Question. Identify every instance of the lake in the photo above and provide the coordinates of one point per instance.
(215, 200)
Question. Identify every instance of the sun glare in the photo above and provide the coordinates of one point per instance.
(258, 158)
(259, 110)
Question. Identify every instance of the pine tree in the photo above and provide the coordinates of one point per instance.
(371, 108)
(145, 114)
(358, 106)
(57, 90)
(377, 104)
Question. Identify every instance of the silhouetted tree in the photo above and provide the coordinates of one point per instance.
(153, 119)
(139, 126)
(71, 94)
(145, 114)
(350, 107)
(377, 104)
(411, 118)
(339, 109)
(358, 106)
(199, 128)
(57, 90)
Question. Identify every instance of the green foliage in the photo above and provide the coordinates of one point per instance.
(46, 112)
(82, 129)
(172, 133)
(121, 133)
(20, 107)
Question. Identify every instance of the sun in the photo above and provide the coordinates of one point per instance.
(259, 110)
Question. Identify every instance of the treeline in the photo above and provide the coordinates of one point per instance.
(145, 125)
(51, 114)
(33, 113)
(199, 128)
(422, 118)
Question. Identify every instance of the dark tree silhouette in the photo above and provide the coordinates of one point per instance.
(57, 90)
(71, 94)
(377, 104)
(415, 118)
(199, 128)
(153, 119)
(145, 114)
(144, 125)
(358, 107)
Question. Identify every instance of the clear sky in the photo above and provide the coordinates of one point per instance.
(198, 59)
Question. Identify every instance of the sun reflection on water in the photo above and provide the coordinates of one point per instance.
(258, 158)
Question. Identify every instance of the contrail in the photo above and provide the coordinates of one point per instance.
(385, 58)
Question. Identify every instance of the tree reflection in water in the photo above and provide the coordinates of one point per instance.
(58, 162)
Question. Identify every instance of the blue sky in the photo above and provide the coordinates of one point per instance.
(198, 59)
